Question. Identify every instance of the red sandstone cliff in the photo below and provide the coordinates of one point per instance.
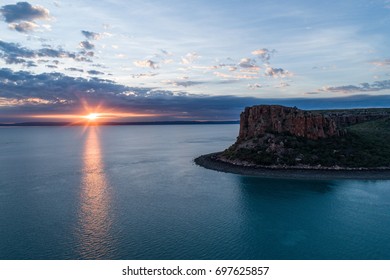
(258, 120)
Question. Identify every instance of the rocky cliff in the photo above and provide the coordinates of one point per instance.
(274, 137)
(256, 121)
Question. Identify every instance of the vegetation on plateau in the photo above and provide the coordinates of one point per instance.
(362, 145)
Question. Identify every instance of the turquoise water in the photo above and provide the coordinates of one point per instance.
(133, 192)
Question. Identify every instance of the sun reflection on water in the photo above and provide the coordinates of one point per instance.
(95, 240)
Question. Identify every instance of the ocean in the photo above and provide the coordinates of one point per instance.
(134, 192)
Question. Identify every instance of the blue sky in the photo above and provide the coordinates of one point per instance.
(190, 59)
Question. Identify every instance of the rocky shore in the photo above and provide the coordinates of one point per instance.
(214, 162)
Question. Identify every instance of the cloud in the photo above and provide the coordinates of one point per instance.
(23, 91)
(235, 76)
(23, 11)
(248, 63)
(385, 62)
(185, 83)
(282, 85)
(87, 45)
(276, 72)
(363, 87)
(264, 54)
(22, 15)
(144, 75)
(255, 86)
(146, 63)
(54, 86)
(24, 26)
(91, 35)
(95, 72)
(189, 58)
(73, 69)
(13, 53)
(165, 52)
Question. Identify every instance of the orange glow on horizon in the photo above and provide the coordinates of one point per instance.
(93, 116)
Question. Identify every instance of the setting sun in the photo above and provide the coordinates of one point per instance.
(92, 116)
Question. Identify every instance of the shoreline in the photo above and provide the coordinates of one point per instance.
(210, 161)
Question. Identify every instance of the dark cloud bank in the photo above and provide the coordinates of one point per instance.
(64, 94)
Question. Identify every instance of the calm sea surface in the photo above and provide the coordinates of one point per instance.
(133, 192)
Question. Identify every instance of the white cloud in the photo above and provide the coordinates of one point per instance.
(248, 63)
(146, 63)
(189, 58)
(264, 54)
(23, 26)
(276, 72)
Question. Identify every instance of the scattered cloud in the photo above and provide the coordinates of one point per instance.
(146, 64)
(23, 26)
(276, 72)
(264, 54)
(13, 53)
(363, 87)
(144, 75)
(235, 76)
(385, 62)
(189, 58)
(183, 83)
(282, 85)
(59, 93)
(87, 45)
(91, 35)
(52, 86)
(73, 69)
(95, 72)
(22, 16)
(255, 86)
(247, 63)
(165, 52)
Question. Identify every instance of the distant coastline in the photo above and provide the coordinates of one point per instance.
(212, 161)
(117, 123)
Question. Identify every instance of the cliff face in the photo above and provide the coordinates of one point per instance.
(284, 137)
(256, 121)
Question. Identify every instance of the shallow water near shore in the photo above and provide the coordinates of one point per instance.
(134, 192)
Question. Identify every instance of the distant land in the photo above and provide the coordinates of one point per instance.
(284, 141)
(98, 123)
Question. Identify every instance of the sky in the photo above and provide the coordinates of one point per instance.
(152, 60)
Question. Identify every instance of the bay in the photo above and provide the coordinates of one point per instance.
(134, 192)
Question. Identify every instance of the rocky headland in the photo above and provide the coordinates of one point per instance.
(275, 139)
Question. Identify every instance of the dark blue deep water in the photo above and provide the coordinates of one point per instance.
(133, 192)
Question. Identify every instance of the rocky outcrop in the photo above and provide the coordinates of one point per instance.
(256, 121)
(274, 136)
